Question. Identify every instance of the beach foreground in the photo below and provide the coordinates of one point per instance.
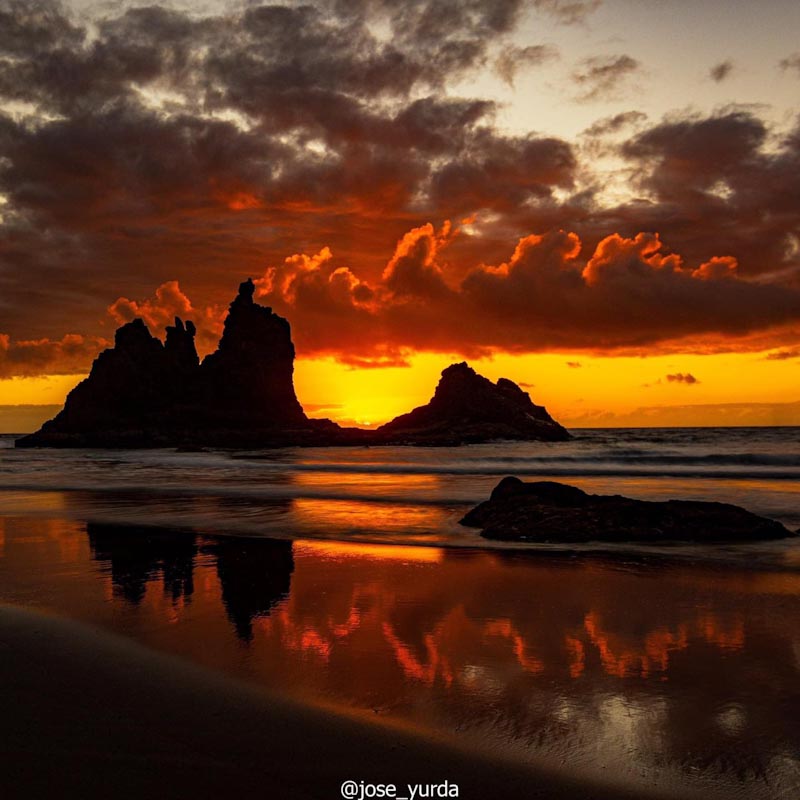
(218, 624)
(89, 714)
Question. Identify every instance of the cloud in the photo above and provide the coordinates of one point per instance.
(791, 62)
(70, 355)
(226, 138)
(719, 72)
(608, 126)
(150, 146)
(722, 170)
(168, 302)
(380, 362)
(568, 12)
(603, 77)
(782, 355)
(682, 377)
(626, 293)
(692, 415)
(512, 59)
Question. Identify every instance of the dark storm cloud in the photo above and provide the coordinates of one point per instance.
(712, 182)
(502, 173)
(158, 150)
(299, 74)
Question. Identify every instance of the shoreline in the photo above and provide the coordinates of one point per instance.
(755, 556)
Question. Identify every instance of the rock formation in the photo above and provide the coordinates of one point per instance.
(138, 385)
(142, 393)
(466, 407)
(546, 511)
(145, 393)
(249, 378)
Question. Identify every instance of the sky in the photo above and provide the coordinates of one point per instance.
(598, 199)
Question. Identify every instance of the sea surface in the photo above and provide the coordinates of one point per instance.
(341, 577)
(404, 495)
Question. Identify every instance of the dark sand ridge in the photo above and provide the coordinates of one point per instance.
(88, 714)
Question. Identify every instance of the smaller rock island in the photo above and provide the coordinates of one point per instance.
(145, 393)
(466, 407)
(547, 511)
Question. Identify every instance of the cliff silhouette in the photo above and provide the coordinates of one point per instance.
(145, 393)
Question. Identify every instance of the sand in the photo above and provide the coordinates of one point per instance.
(88, 714)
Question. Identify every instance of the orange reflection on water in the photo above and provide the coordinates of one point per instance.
(381, 518)
(577, 656)
(396, 483)
(505, 629)
(529, 648)
(340, 550)
(437, 665)
(621, 660)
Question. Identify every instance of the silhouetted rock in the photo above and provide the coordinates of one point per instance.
(467, 407)
(142, 393)
(180, 345)
(546, 511)
(145, 393)
(248, 380)
(138, 385)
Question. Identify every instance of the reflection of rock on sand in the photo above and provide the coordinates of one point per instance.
(556, 651)
(138, 555)
(254, 574)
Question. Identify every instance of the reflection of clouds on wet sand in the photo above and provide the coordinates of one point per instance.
(649, 670)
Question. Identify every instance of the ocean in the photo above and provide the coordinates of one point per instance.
(341, 579)
(402, 495)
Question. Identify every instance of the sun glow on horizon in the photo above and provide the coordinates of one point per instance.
(578, 390)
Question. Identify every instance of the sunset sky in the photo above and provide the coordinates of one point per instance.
(599, 199)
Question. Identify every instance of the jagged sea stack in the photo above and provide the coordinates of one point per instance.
(466, 408)
(137, 387)
(142, 393)
(249, 379)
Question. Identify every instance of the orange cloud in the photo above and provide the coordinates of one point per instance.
(71, 355)
(157, 312)
(626, 293)
(168, 302)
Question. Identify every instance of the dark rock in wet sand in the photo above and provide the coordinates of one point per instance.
(546, 511)
(467, 407)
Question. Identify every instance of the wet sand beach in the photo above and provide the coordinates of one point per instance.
(287, 620)
(87, 714)
(163, 662)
